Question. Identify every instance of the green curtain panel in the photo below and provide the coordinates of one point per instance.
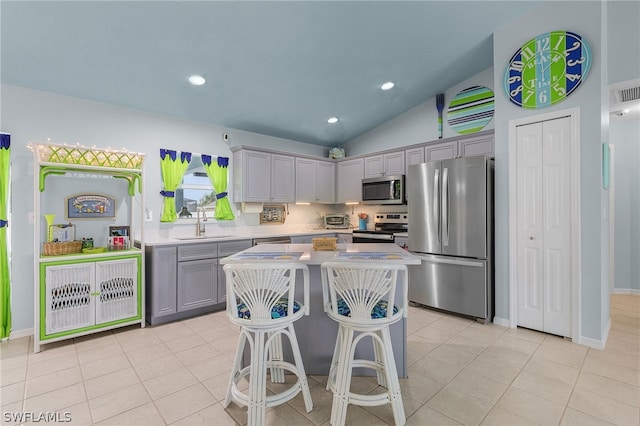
(217, 172)
(5, 282)
(173, 169)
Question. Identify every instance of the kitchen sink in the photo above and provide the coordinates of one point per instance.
(199, 237)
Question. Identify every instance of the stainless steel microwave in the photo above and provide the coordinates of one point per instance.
(383, 190)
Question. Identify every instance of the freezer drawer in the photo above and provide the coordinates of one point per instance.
(453, 284)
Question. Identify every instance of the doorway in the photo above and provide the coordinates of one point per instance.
(544, 223)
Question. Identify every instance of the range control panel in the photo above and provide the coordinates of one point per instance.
(391, 218)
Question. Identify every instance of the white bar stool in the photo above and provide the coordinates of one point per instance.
(357, 296)
(260, 299)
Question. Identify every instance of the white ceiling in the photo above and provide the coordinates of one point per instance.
(275, 68)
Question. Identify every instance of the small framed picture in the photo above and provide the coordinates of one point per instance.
(119, 231)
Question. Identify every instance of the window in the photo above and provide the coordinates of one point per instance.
(195, 192)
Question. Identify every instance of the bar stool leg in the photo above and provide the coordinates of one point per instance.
(302, 375)
(395, 394)
(257, 381)
(237, 364)
(343, 378)
(276, 354)
(334, 362)
(379, 357)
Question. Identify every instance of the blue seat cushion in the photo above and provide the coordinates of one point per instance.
(378, 311)
(279, 310)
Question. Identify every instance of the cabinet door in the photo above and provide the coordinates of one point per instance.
(67, 293)
(283, 179)
(414, 156)
(227, 248)
(256, 176)
(197, 284)
(349, 182)
(161, 276)
(325, 182)
(117, 290)
(373, 166)
(441, 151)
(222, 285)
(394, 163)
(476, 146)
(306, 180)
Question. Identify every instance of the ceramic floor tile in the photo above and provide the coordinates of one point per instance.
(56, 399)
(101, 367)
(573, 417)
(110, 382)
(434, 334)
(419, 387)
(553, 370)
(504, 356)
(610, 388)
(118, 402)
(197, 354)
(185, 343)
(157, 367)
(166, 384)
(212, 415)
(499, 417)
(211, 367)
(148, 353)
(452, 355)
(41, 368)
(79, 414)
(604, 408)
(322, 401)
(172, 331)
(99, 353)
(144, 415)
(516, 344)
(12, 393)
(15, 375)
(50, 351)
(526, 334)
(459, 406)
(467, 344)
(477, 386)
(183, 403)
(286, 415)
(426, 415)
(452, 324)
(136, 341)
(543, 386)
(358, 416)
(11, 362)
(434, 369)
(385, 411)
(623, 359)
(93, 341)
(612, 371)
(531, 407)
(52, 381)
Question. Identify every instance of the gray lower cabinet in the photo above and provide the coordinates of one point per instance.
(186, 280)
(308, 239)
(160, 275)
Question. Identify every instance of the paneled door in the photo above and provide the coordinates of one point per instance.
(544, 226)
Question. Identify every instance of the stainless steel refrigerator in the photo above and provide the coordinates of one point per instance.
(450, 206)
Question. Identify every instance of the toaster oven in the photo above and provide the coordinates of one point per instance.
(333, 221)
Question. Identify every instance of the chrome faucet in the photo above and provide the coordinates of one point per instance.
(200, 229)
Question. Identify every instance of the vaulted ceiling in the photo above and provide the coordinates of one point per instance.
(275, 68)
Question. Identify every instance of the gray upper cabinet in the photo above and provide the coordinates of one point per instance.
(263, 177)
(349, 180)
(414, 156)
(441, 151)
(315, 181)
(384, 164)
(482, 145)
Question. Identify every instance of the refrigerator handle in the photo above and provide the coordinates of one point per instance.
(436, 198)
(445, 206)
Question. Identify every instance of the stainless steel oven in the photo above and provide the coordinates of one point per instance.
(386, 226)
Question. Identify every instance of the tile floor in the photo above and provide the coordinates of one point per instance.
(460, 372)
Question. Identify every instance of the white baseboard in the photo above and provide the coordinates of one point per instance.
(17, 334)
(595, 343)
(626, 291)
(501, 321)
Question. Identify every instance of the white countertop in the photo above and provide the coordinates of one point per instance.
(187, 236)
(364, 252)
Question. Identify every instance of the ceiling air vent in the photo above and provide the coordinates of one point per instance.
(627, 95)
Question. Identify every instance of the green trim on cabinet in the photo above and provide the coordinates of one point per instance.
(43, 296)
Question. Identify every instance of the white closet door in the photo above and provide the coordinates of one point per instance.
(544, 228)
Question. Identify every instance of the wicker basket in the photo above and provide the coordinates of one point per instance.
(58, 248)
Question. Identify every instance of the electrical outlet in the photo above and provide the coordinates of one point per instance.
(148, 217)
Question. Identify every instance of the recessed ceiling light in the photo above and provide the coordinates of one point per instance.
(332, 120)
(388, 85)
(197, 80)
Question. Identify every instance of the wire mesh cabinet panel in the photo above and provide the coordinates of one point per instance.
(68, 297)
(116, 290)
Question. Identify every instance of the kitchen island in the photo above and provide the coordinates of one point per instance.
(317, 332)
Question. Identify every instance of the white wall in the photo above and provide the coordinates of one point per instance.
(31, 115)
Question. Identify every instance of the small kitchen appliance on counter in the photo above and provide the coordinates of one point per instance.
(337, 221)
(386, 226)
